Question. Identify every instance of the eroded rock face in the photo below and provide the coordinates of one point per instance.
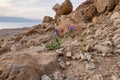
(29, 65)
(63, 9)
(47, 19)
(85, 13)
(105, 5)
(115, 16)
(65, 22)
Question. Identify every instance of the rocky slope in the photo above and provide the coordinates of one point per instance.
(86, 46)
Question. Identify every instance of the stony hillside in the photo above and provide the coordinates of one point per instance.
(76, 45)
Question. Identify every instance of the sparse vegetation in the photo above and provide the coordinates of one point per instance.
(70, 31)
(55, 44)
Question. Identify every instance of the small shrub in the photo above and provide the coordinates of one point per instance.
(54, 44)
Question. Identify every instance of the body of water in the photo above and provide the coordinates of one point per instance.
(12, 25)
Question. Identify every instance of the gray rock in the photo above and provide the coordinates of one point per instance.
(90, 66)
(68, 63)
(45, 77)
(59, 59)
(68, 54)
(88, 56)
(71, 78)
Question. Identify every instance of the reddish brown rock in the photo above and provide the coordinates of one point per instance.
(65, 22)
(63, 9)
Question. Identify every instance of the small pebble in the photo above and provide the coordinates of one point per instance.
(71, 78)
(83, 57)
(45, 77)
(62, 65)
(88, 56)
(68, 63)
(90, 66)
(59, 59)
(68, 54)
(57, 75)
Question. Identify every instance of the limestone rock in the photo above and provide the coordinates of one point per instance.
(115, 16)
(62, 65)
(45, 77)
(95, 20)
(86, 14)
(101, 5)
(63, 9)
(32, 30)
(83, 57)
(27, 65)
(117, 8)
(77, 56)
(103, 49)
(88, 56)
(90, 66)
(47, 19)
(71, 78)
(117, 41)
(7, 45)
(98, 77)
(57, 75)
(15, 47)
(68, 63)
(68, 54)
(64, 22)
(105, 5)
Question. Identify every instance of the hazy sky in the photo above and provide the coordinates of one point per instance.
(34, 9)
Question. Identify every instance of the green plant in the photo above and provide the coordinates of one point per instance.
(70, 31)
(55, 44)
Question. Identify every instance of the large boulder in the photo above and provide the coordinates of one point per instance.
(64, 22)
(105, 5)
(27, 65)
(85, 12)
(63, 9)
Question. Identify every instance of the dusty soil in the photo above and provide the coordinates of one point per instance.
(91, 50)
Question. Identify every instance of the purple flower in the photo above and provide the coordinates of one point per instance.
(71, 28)
(58, 30)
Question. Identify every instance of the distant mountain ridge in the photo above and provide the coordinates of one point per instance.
(17, 19)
